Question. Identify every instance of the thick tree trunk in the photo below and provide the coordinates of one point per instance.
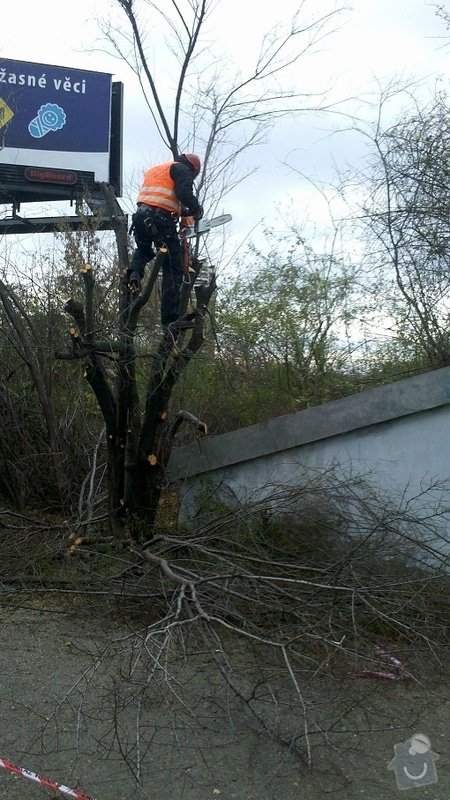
(138, 443)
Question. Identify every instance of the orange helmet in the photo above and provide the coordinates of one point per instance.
(194, 161)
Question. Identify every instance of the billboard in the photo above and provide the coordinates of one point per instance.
(55, 127)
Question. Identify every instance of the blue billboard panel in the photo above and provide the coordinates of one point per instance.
(55, 117)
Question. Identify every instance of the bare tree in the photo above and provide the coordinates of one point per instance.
(47, 425)
(21, 332)
(139, 441)
(214, 107)
(404, 215)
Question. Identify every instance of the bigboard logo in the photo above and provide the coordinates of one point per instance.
(44, 175)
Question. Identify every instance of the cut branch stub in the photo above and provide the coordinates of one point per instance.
(76, 311)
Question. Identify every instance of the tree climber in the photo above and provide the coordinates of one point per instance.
(166, 194)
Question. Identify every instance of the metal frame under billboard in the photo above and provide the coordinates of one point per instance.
(60, 132)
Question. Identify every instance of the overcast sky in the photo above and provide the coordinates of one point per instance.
(375, 41)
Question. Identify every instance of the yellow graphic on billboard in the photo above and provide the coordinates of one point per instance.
(6, 114)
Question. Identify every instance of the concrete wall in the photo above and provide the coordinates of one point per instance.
(398, 434)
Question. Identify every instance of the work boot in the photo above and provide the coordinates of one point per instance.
(182, 323)
(134, 282)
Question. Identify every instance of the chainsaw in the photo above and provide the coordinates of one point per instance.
(190, 228)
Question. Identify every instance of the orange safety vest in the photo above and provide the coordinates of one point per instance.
(158, 189)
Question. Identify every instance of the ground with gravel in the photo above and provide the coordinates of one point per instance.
(70, 714)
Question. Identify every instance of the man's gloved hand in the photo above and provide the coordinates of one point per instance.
(187, 222)
(199, 213)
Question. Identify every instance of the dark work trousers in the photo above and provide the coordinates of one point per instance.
(156, 226)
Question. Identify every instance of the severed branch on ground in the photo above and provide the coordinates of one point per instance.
(291, 598)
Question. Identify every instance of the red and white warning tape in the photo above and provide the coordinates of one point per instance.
(32, 776)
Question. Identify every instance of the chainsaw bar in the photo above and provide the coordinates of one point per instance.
(205, 225)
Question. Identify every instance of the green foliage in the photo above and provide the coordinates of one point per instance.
(282, 337)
